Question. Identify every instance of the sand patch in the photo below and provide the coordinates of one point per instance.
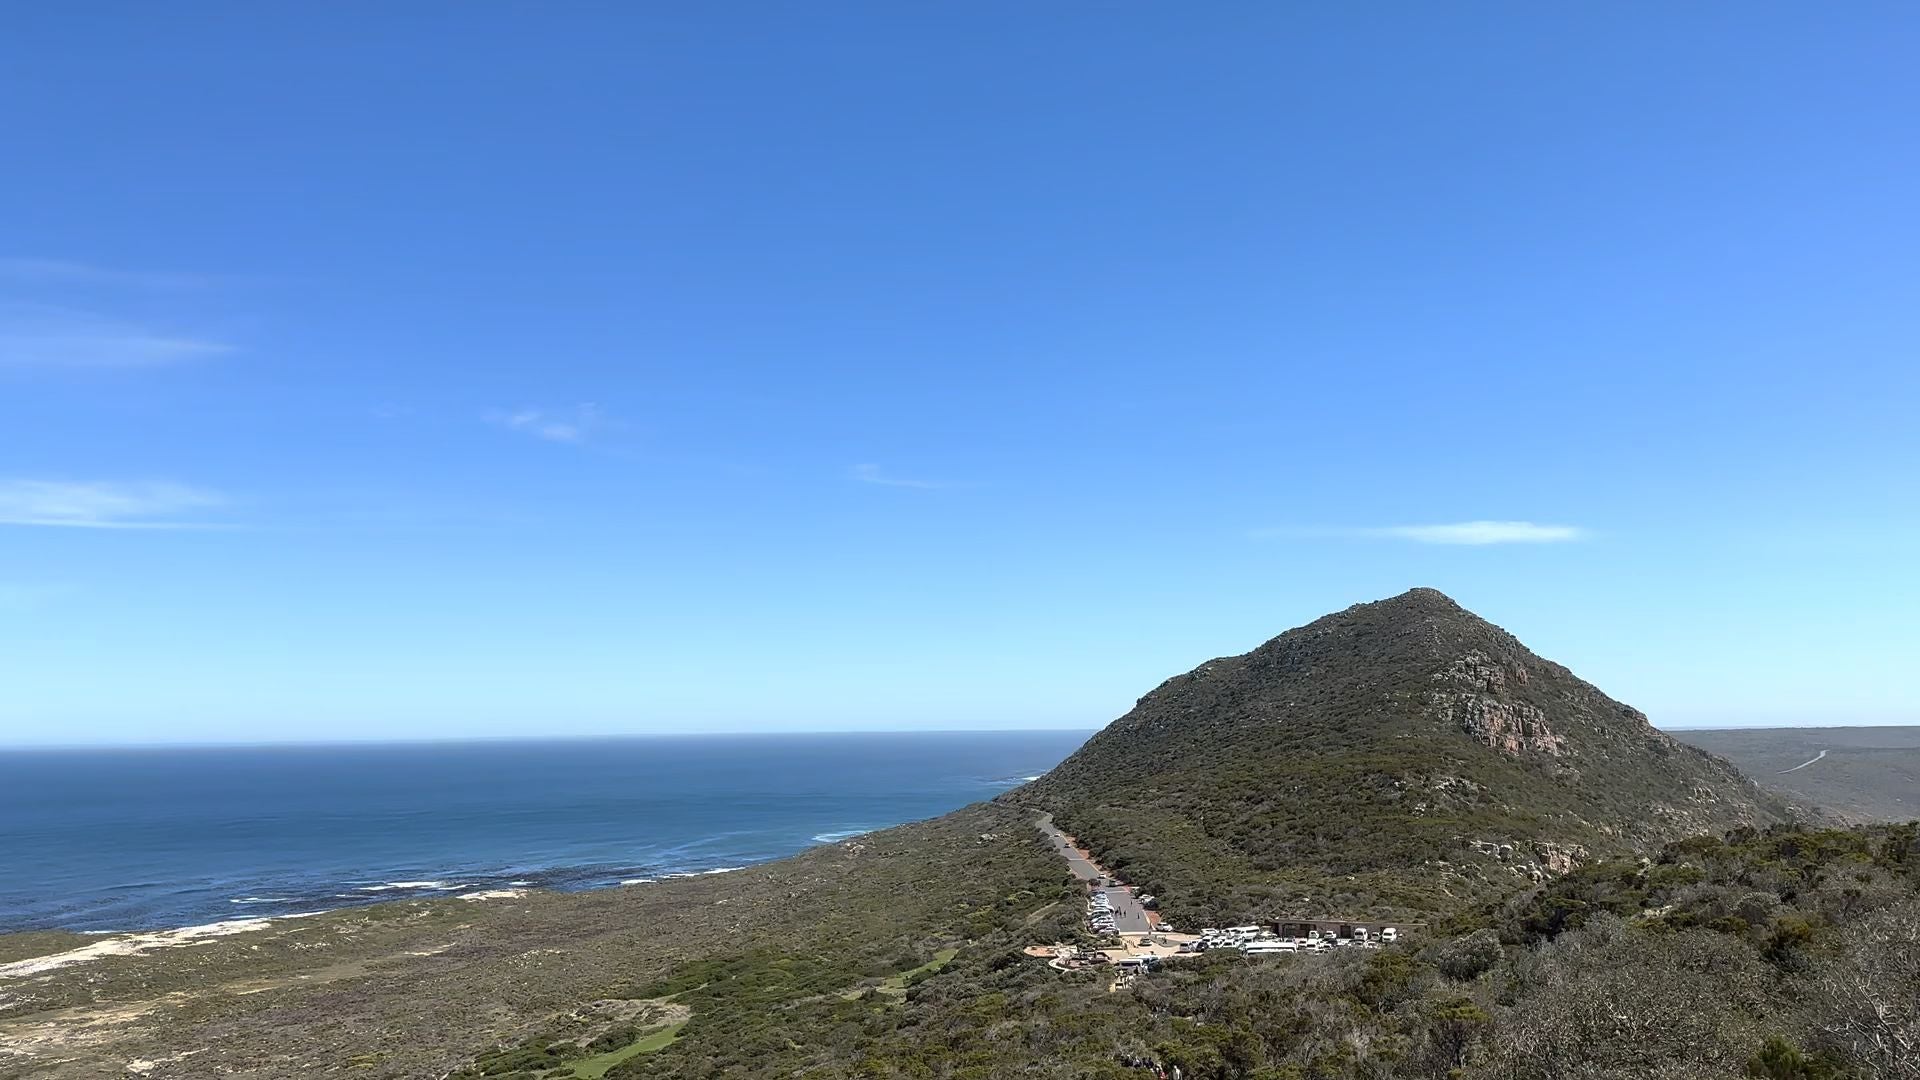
(140, 944)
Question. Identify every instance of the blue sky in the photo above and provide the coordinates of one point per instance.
(415, 371)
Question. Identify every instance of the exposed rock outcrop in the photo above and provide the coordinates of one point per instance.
(1477, 701)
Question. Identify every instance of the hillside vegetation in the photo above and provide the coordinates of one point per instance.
(1396, 758)
(1789, 953)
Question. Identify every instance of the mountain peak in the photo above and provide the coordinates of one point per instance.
(1422, 627)
(1391, 741)
(1421, 602)
(1422, 597)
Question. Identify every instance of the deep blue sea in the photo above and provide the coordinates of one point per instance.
(151, 838)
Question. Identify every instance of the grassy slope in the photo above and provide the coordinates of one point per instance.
(593, 1068)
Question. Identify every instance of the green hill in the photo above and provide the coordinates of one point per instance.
(1397, 757)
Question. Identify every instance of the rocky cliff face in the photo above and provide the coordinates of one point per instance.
(1376, 751)
(1474, 695)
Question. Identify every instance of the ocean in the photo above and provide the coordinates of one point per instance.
(138, 839)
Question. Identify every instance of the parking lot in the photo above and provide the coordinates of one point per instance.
(1115, 910)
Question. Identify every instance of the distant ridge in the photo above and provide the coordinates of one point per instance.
(1400, 755)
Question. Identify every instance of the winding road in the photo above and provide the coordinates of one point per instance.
(1804, 764)
(1128, 916)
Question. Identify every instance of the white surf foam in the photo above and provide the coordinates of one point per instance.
(836, 837)
(493, 894)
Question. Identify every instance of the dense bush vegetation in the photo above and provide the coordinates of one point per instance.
(1789, 952)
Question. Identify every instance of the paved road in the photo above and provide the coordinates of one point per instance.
(1803, 764)
(1128, 916)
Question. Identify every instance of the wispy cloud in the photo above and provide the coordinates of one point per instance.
(575, 425)
(70, 504)
(1484, 532)
(874, 474)
(35, 336)
(69, 272)
(1459, 533)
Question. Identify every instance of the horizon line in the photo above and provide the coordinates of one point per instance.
(459, 740)
(451, 740)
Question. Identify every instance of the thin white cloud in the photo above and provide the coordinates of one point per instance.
(1459, 533)
(69, 272)
(33, 336)
(70, 504)
(874, 474)
(575, 425)
(1478, 533)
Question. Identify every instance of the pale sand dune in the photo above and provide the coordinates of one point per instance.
(138, 944)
